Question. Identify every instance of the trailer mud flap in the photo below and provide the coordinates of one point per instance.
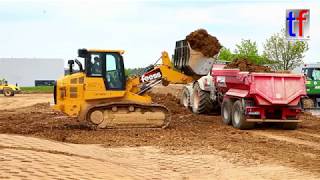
(237, 92)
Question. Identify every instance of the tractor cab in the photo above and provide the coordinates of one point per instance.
(106, 64)
(3, 82)
(312, 73)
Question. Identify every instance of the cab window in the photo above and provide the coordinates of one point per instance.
(114, 72)
(316, 75)
(96, 65)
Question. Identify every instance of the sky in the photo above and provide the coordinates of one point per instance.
(56, 29)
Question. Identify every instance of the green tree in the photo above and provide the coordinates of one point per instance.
(134, 71)
(226, 54)
(127, 72)
(286, 55)
(248, 49)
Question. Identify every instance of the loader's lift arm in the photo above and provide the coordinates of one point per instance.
(163, 73)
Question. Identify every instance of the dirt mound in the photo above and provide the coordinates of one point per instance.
(201, 41)
(246, 65)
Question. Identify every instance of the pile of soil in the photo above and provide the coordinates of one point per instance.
(246, 65)
(200, 40)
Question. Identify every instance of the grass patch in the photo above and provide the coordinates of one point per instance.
(37, 89)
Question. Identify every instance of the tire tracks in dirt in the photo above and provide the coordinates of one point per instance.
(145, 161)
(188, 134)
(281, 137)
(309, 134)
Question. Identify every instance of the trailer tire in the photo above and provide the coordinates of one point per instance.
(185, 98)
(308, 103)
(290, 125)
(239, 118)
(201, 100)
(8, 92)
(226, 111)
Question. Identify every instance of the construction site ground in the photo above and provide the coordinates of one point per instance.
(39, 143)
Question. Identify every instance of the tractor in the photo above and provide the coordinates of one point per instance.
(8, 89)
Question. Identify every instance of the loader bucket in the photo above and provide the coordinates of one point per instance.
(190, 61)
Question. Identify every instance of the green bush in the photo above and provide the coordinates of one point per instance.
(37, 89)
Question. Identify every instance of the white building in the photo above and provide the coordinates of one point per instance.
(31, 71)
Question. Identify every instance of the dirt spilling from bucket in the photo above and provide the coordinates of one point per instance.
(201, 40)
(246, 65)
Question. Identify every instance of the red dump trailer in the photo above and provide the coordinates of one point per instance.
(247, 98)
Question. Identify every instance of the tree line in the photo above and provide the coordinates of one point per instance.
(278, 52)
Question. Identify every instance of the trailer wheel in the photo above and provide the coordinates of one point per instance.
(238, 117)
(201, 100)
(290, 125)
(226, 111)
(8, 92)
(185, 98)
(308, 103)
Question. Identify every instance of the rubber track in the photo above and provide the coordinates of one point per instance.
(165, 124)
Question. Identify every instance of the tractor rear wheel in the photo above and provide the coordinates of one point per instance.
(308, 103)
(239, 118)
(8, 92)
(201, 101)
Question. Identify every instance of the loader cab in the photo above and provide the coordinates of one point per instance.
(106, 64)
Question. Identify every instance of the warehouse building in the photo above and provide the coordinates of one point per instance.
(31, 71)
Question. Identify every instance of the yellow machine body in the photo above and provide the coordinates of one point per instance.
(8, 89)
(86, 97)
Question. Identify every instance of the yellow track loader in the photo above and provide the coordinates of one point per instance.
(101, 94)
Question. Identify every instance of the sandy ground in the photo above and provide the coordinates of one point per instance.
(33, 158)
(265, 152)
(24, 100)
